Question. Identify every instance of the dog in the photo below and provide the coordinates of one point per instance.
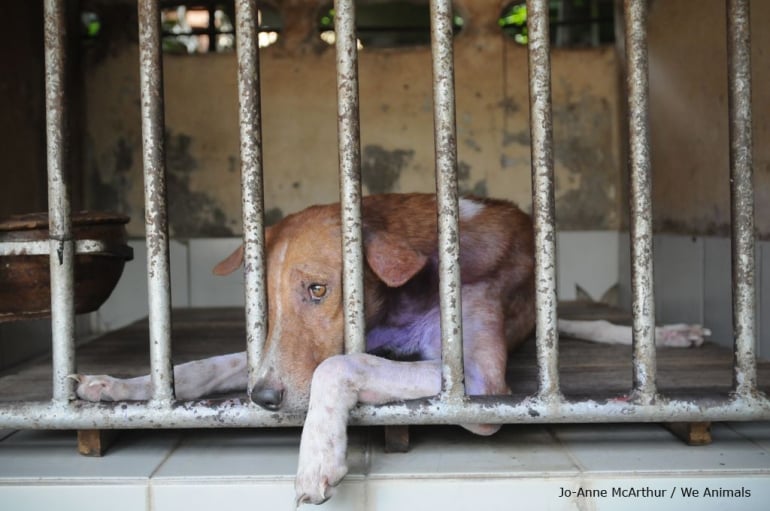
(304, 367)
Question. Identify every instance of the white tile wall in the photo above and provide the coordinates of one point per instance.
(693, 284)
(128, 302)
(764, 300)
(717, 290)
(678, 273)
(589, 259)
(207, 289)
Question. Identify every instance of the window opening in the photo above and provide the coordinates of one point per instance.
(574, 23)
(209, 27)
(387, 25)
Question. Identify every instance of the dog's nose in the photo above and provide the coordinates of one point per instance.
(268, 398)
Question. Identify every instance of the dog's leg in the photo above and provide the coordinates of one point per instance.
(676, 336)
(223, 373)
(338, 384)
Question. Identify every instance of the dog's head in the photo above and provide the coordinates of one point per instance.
(304, 292)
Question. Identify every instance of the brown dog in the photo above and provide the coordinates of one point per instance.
(305, 335)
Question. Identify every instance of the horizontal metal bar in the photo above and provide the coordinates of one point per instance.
(41, 247)
(504, 410)
(643, 299)
(349, 134)
(543, 198)
(252, 189)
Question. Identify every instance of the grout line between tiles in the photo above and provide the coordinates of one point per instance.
(749, 439)
(168, 455)
(573, 459)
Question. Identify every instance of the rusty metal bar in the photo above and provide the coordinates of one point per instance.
(350, 174)
(742, 195)
(643, 304)
(247, 38)
(450, 286)
(62, 248)
(543, 208)
(156, 219)
(501, 410)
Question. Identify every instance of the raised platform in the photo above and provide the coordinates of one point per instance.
(585, 368)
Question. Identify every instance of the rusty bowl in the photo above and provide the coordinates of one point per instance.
(25, 287)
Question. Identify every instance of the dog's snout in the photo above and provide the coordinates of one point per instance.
(267, 397)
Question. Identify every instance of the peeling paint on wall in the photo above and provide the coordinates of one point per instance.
(586, 195)
(299, 124)
(191, 212)
(382, 168)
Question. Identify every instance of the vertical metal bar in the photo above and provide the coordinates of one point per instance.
(350, 174)
(247, 36)
(543, 208)
(643, 303)
(742, 194)
(445, 137)
(62, 247)
(442, 39)
(156, 219)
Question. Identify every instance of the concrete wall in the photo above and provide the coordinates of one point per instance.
(688, 86)
(299, 113)
(22, 103)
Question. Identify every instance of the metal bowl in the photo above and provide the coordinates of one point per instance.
(25, 287)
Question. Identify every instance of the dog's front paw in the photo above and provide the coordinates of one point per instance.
(681, 335)
(104, 388)
(322, 455)
(321, 463)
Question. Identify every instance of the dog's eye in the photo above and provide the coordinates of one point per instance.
(316, 292)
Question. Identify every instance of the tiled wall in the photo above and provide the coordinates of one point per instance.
(693, 284)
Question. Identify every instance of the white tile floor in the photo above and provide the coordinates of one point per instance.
(522, 467)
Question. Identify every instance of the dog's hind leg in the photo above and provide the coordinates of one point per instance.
(675, 336)
(223, 373)
(339, 383)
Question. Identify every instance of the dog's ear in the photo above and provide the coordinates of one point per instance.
(230, 263)
(392, 259)
(235, 260)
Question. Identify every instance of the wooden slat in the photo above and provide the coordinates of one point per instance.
(95, 442)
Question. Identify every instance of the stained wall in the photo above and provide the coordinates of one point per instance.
(299, 123)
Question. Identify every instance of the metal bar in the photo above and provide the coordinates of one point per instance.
(59, 220)
(742, 195)
(543, 208)
(500, 410)
(643, 302)
(156, 219)
(247, 38)
(13, 248)
(348, 128)
(450, 285)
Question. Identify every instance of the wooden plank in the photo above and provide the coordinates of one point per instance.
(95, 442)
(691, 433)
(396, 438)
